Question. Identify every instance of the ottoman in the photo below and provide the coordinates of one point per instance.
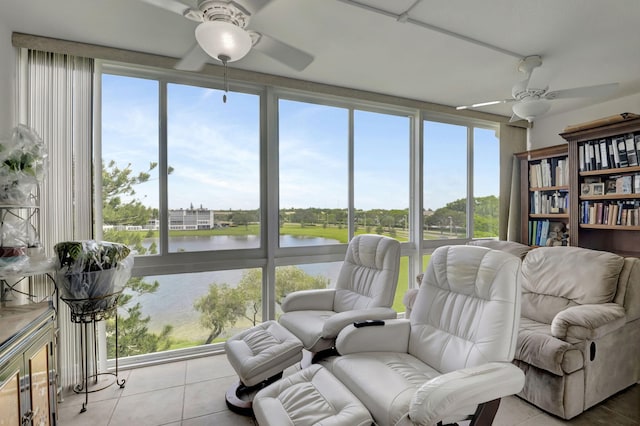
(259, 355)
(308, 397)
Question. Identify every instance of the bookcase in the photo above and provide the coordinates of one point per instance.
(604, 168)
(544, 189)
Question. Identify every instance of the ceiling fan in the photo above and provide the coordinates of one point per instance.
(531, 96)
(222, 34)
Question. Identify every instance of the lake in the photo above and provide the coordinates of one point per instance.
(173, 302)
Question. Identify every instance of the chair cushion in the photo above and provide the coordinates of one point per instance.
(537, 347)
(465, 309)
(306, 325)
(385, 382)
(262, 351)
(554, 278)
(312, 396)
(369, 275)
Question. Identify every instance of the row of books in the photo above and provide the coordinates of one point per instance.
(610, 153)
(547, 233)
(623, 213)
(549, 172)
(545, 202)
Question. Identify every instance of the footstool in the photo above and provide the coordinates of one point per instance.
(259, 355)
(310, 396)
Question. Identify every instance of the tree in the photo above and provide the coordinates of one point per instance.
(118, 184)
(223, 305)
(220, 308)
(134, 336)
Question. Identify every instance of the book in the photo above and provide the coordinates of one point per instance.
(630, 146)
(604, 154)
(636, 183)
(581, 163)
(622, 151)
(544, 232)
(624, 185)
(592, 157)
(614, 159)
(597, 151)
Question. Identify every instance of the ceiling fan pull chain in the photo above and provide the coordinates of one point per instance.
(224, 60)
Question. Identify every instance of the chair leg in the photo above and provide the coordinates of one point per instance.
(485, 413)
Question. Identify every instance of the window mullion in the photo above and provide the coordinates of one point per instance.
(163, 213)
(470, 198)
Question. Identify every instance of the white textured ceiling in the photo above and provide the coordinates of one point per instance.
(582, 42)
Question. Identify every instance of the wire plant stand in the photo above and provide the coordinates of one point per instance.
(88, 312)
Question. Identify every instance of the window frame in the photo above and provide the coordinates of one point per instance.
(270, 255)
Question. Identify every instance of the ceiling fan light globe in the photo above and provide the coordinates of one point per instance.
(530, 109)
(223, 39)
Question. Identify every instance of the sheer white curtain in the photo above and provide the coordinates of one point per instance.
(55, 99)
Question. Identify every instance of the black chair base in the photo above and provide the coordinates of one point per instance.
(239, 398)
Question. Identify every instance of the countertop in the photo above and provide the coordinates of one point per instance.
(16, 318)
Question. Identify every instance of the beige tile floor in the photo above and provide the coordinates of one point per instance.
(191, 393)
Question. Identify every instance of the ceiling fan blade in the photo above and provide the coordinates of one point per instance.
(193, 60)
(483, 104)
(171, 5)
(282, 52)
(583, 92)
(252, 6)
(539, 79)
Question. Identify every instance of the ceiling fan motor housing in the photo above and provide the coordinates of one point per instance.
(231, 12)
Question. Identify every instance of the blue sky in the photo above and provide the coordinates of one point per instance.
(214, 150)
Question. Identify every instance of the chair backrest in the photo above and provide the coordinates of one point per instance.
(467, 311)
(369, 275)
(516, 249)
(555, 278)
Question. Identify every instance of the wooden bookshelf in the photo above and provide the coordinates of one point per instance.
(621, 238)
(530, 216)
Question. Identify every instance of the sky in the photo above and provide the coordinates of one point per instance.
(213, 148)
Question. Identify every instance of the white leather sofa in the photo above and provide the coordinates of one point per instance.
(450, 360)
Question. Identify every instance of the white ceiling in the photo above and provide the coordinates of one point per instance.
(582, 42)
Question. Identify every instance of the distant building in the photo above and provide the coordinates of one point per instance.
(179, 220)
(191, 219)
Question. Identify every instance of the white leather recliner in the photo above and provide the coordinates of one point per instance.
(365, 288)
(452, 357)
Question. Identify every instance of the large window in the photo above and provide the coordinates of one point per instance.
(230, 206)
(486, 183)
(213, 154)
(130, 156)
(313, 147)
(381, 174)
(461, 163)
(445, 181)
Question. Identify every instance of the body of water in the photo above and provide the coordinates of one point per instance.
(173, 302)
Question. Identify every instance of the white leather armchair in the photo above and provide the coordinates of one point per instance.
(365, 289)
(452, 358)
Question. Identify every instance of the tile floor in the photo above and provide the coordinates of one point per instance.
(191, 393)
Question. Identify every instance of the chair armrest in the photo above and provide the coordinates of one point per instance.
(588, 321)
(393, 336)
(337, 322)
(445, 396)
(309, 300)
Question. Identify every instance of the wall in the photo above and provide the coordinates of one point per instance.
(7, 79)
(545, 130)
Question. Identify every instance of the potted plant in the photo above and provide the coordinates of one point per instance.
(92, 274)
(22, 165)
